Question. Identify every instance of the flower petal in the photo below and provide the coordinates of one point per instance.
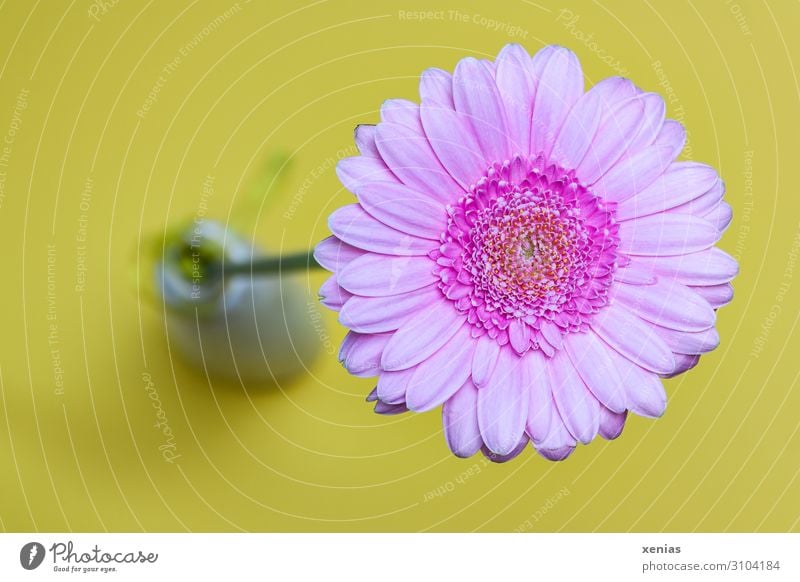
(632, 174)
(681, 183)
(666, 234)
(592, 358)
(536, 381)
(689, 342)
(403, 209)
(454, 143)
(392, 386)
(374, 275)
(581, 124)
(365, 141)
(331, 295)
(716, 295)
(517, 89)
(559, 443)
(437, 378)
(503, 405)
(558, 88)
(668, 304)
(354, 226)
(436, 87)
(612, 141)
(487, 350)
(654, 113)
(460, 420)
(422, 335)
(633, 338)
(358, 170)
(476, 97)
(611, 423)
(332, 254)
(672, 134)
(381, 314)
(578, 408)
(709, 267)
(644, 390)
(401, 112)
(410, 157)
(495, 458)
(361, 353)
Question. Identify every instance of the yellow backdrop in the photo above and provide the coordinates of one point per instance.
(113, 114)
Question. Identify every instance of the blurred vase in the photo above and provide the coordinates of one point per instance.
(258, 329)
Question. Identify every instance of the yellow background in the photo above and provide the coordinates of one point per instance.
(310, 455)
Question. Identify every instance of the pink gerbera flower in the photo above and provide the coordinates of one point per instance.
(525, 254)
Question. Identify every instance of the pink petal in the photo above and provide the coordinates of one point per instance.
(476, 97)
(438, 377)
(720, 216)
(576, 405)
(583, 120)
(401, 112)
(410, 157)
(455, 144)
(557, 89)
(686, 342)
(422, 335)
(673, 135)
(519, 336)
(496, 458)
(381, 314)
(644, 390)
(559, 443)
(403, 209)
(436, 87)
(611, 423)
(503, 405)
(666, 234)
(487, 351)
(388, 409)
(361, 353)
(365, 141)
(716, 295)
(392, 385)
(633, 338)
(556, 454)
(681, 183)
(358, 170)
(654, 113)
(632, 174)
(709, 267)
(332, 295)
(517, 88)
(683, 363)
(354, 226)
(460, 420)
(668, 304)
(592, 358)
(374, 275)
(372, 396)
(611, 142)
(704, 203)
(636, 273)
(333, 254)
(541, 406)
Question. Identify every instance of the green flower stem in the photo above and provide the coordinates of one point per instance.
(303, 261)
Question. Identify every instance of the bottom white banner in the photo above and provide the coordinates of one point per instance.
(389, 557)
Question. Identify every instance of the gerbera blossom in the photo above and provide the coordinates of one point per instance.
(528, 255)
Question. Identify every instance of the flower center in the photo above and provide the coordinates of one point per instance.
(528, 254)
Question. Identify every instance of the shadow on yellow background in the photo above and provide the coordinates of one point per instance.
(113, 117)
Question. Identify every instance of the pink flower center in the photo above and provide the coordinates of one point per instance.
(528, 254)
